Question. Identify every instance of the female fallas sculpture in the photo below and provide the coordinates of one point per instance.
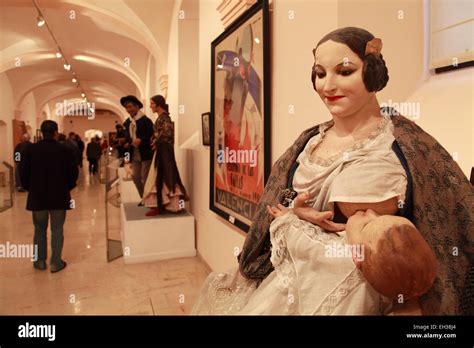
(164, 191)
(352, 175)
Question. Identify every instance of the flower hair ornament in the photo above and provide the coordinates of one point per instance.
(373, 47)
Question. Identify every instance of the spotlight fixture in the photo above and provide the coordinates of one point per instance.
(74, 80)
(83, 95)
(67, 66)
(58, 54)
(40, 20)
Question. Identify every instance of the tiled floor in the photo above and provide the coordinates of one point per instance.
(89, 284)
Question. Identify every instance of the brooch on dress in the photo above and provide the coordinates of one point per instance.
(286, 196)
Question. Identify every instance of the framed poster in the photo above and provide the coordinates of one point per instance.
(206, 135)
(19, 128)
(240, 116)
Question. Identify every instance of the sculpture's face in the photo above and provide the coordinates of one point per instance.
(132, 109)
(339, 80)
(356, 224)
(153, 106)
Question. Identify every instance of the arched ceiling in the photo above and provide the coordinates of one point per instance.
(98, 43)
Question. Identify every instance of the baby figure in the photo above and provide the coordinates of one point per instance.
(396, 260)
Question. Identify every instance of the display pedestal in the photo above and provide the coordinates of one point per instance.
(148, 239)
(128, 191)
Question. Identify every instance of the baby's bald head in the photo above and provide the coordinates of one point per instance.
(397, 259)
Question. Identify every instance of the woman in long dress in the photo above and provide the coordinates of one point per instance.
(366, 157)
(164, 191)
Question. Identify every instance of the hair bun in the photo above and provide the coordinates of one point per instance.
(375, 73)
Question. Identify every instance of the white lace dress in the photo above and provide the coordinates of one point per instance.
(313, 272)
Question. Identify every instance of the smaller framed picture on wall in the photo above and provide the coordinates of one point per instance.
(206, 135)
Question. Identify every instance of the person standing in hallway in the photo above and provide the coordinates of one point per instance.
(72, 144)
(93, 153)
(104, 146)
(62, 139)
(49, 171)
(17, 155)
(80, 145)
(140, 130)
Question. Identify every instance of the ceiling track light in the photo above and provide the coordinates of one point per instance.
(59, 54)
(40, 20)
(83, 95)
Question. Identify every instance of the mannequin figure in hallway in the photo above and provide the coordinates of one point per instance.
(139, 130)
(164, 191)
(365, 157)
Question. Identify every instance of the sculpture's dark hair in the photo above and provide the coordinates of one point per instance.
(160, 101)
(375, 72)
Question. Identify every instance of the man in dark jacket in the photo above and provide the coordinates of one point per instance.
(140, 130)
(93, 153)
(48, 171)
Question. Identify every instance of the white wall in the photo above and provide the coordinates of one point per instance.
(28, 112)
(447, 112)
(188, 42)
(295, 32)
(173, 85)
(6, 115)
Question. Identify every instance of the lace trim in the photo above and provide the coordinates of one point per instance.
(227, 299)
(281, 259)
(326, 162)
(316, 233)
(334, 298)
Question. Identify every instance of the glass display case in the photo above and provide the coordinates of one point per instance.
(109, 176)
(7, 186)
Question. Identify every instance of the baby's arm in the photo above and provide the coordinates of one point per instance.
(387, 207)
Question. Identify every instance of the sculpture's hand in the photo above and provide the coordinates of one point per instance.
(320, 218)
(277, 211)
